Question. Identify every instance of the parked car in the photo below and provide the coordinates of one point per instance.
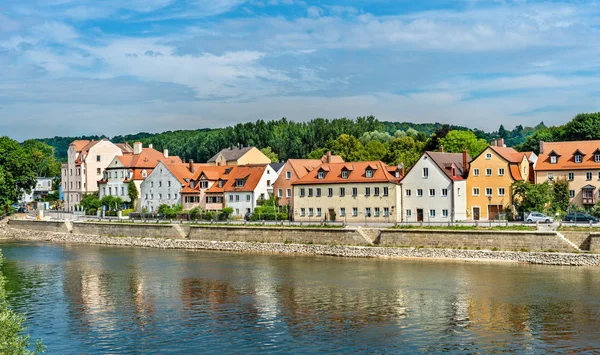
(580, 217)
(539, 217)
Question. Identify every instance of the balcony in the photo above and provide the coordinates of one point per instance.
(588, 200)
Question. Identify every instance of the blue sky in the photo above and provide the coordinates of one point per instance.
(72, 67)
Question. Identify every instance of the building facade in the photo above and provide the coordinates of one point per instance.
(247, 187)
(42, 188)
(86, 161)
(206, 188)
(489, 181)
(577, 162)
(164, 185)
(365, 192)
(239, 156)
(435, 189)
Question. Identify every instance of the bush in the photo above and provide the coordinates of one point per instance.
(126, 213)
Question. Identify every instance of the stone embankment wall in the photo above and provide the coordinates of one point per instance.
(43, 226)
(337, 236)
(130, 230)
(581, 239)
(459, 239)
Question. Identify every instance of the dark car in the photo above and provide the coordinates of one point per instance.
(580, 217)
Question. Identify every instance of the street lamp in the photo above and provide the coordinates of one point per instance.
(489, 207)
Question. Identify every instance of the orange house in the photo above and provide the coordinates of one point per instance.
(491, 175)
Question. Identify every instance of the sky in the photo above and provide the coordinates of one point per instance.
(75, 67)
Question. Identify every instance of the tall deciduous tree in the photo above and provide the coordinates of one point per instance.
(532, 197)
(457, 141)
(404, 150)
(17, 172)
(268, 151)
(560, 197)
(132, 192)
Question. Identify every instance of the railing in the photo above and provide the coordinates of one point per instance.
(588, 201)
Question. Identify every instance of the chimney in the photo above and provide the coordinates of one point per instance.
(465, 162)
(442, 148)
(541, 147)
(150, 146)
(137, 148)
(501, 142)
(328, 157)
(401, 167)
(493, 143)
(166, 153)
(191, 166)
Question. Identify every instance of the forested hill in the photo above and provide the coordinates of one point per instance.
(291, 139)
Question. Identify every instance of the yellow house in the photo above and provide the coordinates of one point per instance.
(239, 156)
(491, 175)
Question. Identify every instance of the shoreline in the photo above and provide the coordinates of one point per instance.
(432, 254)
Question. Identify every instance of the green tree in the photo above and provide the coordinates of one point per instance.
(378, 136)
(404, 150)
(317, 153)
(42, 157)
(18, 172)
(532, 197)
(456, 141)
(113, 203)
(348, 147)
(375, 150)
(13, 341)
(270, 154)
(90, 203)
(132, 192)
(560, 195)
(585, 126)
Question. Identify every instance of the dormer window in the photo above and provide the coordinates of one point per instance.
(144, 173)
(397, 174)
(204, 184)
(221, 183)
(321, 175)
(553, 159)
(597, 158)
(369, 173)
(345, 174)
(578, 158)
(192, 184)
(239, 182)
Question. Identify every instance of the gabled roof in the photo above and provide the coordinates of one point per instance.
(181, 171)
(250, 173)
(212, 172)
(231, 154)
(447, 161)
(277, 166)
(509, 154)
(303, 166)
(125, 147)
(79, 144)
(565, 152)
(357, 173)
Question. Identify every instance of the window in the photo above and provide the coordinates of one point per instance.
(488, 191)
(342, 212)
(239, 182)
(221, 183)
(98, 171)
(160, 196)
(597, 158)
(318, 211)
(386, 191)
(330, 192)
(160, 184)
(230, 198)
(237, 198)
(476, 191)
(98, 158)
(376, 191)
(168, 196)
(342, 192)
(169, 183)
(368, 212)
(588, 175)
(488, 172)
(386, 211)
(355, 191)
(550, 176)
(553, 159)
(501, 171)
(318, 192)
(247, 198)
(146, 195)
(302, 192)
(599, 177)
(288, 175)
(432, 213)
(310, 212)
(419, 192)
(321, 175)
(488, 156)
(110, 190)
(377, 212)
(425, 173)
(445, 213)
(407, 192)
(369, 173)
(571, 193)
(110, 175)
(501, 191)
(572, 176)
(345, 174)
(122, 191)
(367, 191)
(288, 193)
(310, 192)
(578, 158)
(303, 212)
(431, 192)
(475, 172)
(444, 192)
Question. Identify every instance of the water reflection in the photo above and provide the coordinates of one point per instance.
(90, 299)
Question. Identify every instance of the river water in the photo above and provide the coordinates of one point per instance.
(83, 299)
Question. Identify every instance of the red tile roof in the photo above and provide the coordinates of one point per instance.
(357, 173)
(251, 175)
(565, 152)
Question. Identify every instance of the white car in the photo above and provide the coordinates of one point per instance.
(539, 217)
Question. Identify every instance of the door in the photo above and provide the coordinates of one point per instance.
(419, 215)
(332, 214)
(476, 213)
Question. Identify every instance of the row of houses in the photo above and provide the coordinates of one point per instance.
(440, 187)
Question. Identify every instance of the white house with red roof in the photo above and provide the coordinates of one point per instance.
(131, 167)
(86, 160)
(165, 183)
(246, 186)
(435, 188)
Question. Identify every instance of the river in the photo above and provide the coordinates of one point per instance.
(85, 299)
